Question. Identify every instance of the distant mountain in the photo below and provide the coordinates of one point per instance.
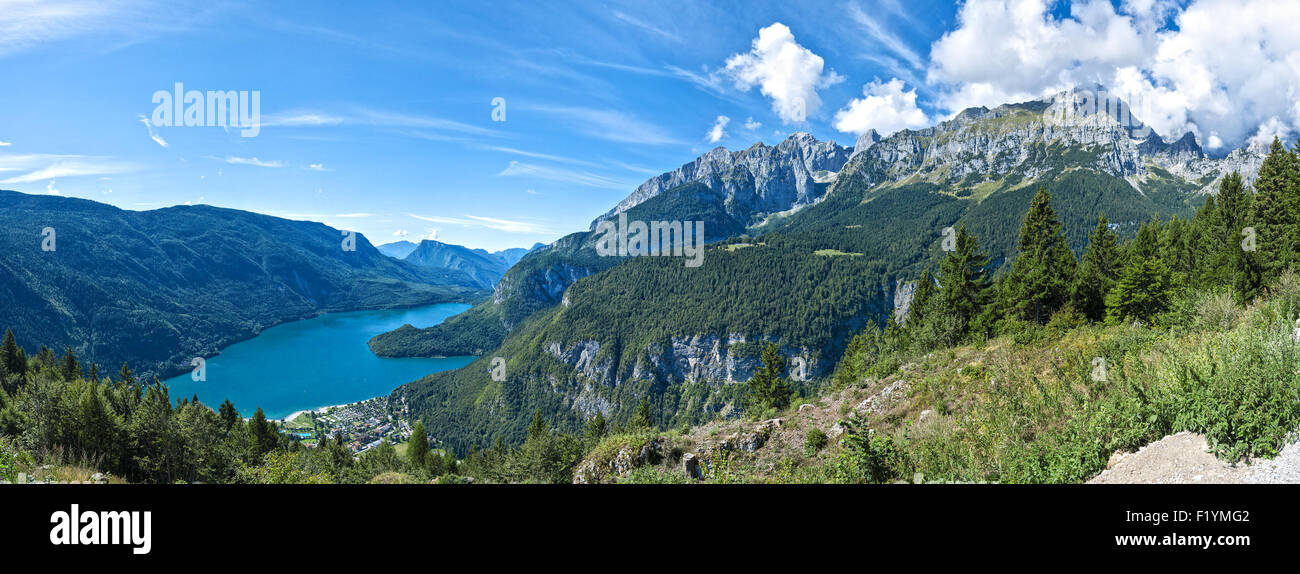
(813, 255)
(483, 268)
(396, 249)
(753, 182)
(727, 190)
(513, 255)
(157, 288)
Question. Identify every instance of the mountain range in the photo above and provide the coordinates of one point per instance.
(810, 241)
(483, 268)
(158, 288)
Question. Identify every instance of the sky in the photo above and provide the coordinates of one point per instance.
(500, 124)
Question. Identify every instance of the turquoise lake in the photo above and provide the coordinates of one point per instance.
(314, 363)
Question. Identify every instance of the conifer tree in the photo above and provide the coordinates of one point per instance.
(1277, 201)
(126, 376)
(964, 281)
(641, 419)
(1097, 272)
(1040, 278)
(229, 416)
(768, 389)
(1142, 292)
(597, 427)
(537, 428)
(9, 354)
(69, 367)
(417, 451)
(920, 298)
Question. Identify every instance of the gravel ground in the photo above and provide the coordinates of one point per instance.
(1184, 458)
(1282, 469)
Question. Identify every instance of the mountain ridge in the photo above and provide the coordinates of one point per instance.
(157, 288)
(598, 342)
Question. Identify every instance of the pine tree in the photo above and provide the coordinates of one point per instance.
(417, 451)
(9, 354)
(1277, 201)
(920, 298)
(767, 388)
(1097, 272)
(69, 367)
(1040, 278)
(1142, 292)
(229, 416)
(641, 420)
(126, 376)
(1207, 238)
(262, 434)
(964, 281)
(597, 427)
(537, 428)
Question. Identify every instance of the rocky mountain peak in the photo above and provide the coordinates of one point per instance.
(755, 181)
(1028, 139)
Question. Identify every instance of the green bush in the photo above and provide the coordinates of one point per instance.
(815, 441)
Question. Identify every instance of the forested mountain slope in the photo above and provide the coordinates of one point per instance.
(651, 328)
(157, 288)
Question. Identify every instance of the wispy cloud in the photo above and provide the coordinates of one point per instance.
(153, 136)
(538, 155)
(648, 27)
(317, 167)
(506, 225)
(41, 167)
(635, 168)
(584, 178)
(27, 23)
(354, 215)
(611, 125)
(301, 119)
(884, 37)
(5, 144)
(254, 161)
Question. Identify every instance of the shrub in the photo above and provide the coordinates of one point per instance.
(1217, 311)
(815, 441)
(868, 456)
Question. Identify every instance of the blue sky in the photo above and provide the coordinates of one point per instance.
(378, 116)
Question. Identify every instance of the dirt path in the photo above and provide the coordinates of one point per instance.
(1184, 458)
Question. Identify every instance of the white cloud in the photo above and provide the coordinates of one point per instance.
(717, 132)
(611, 125)
(236, 160)
(517, 169)
(648, 27)
(509, 226)
(317, 167)
(5, 144)
(27, 23)
(301, 119)
(41, 167)
(538, 155)
(784, 71)
(884, 107)
(49, 188)
(400, 233)
(1225, 71)
(752, 125)
(1273, 128)
(884, 37)
(148, 125)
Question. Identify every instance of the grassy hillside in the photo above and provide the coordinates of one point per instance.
(1028, 408)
